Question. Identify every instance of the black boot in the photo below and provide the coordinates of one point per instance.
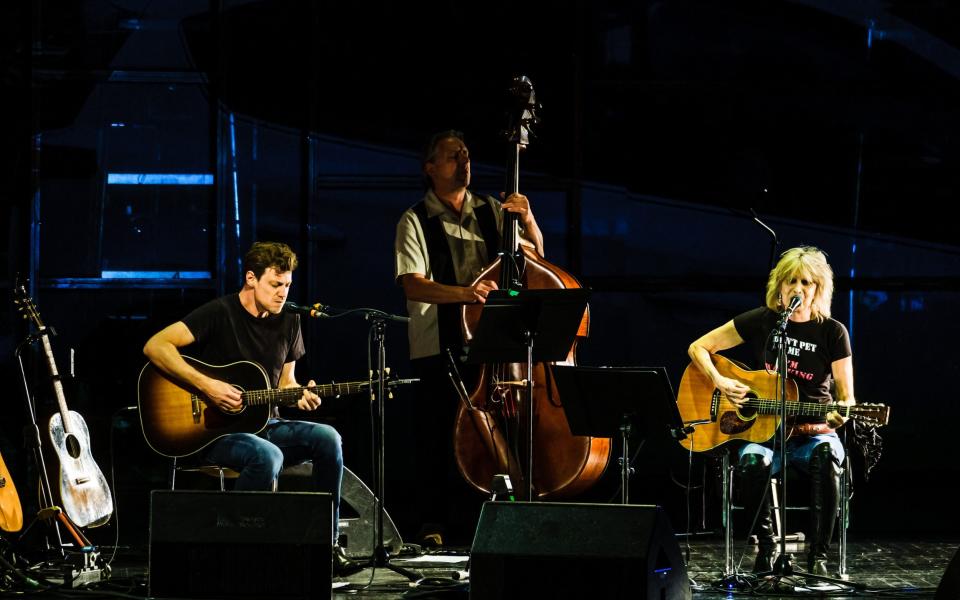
(824, 502)
(343, 566)
(755, 496)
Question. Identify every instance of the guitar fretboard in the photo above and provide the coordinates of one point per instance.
(286, 396)
(767, 406)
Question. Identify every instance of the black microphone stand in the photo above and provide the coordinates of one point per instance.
(378, 326)
(783, 566)
(774, 242)
(381, 558)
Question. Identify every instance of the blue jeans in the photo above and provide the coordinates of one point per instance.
(798, 451)
(260, 458)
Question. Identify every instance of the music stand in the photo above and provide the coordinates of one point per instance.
(527, 326)
(607, 401)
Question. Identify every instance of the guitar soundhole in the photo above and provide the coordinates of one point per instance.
(749, 413)
(732, 423)
(72, 446)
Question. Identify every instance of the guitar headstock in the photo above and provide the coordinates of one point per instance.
(523, 115)
(868, 413)
(26, 306)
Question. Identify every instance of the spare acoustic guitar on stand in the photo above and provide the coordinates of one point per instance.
(11, 513)
(84, 492)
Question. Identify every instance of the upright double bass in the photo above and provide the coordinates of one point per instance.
(490, 432)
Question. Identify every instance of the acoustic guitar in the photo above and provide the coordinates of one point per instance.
(178, 420)
(11, 513)
(84, 492)
(716, 420)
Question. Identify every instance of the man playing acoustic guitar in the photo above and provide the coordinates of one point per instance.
(252, 326)
(818, 350)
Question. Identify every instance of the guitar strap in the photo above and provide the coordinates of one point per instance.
(812, 428)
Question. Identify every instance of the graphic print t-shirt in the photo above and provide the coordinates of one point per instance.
(812, 347)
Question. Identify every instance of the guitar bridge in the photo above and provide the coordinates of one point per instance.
(81, 480)
(195, 408)
(715, 404)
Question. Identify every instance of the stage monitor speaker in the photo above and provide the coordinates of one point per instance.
(206, 544)
(358, 512)
(558, 550)
(949, 588)
(359, 535)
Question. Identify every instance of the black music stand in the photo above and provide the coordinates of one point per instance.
(527, 326)
(607, 401)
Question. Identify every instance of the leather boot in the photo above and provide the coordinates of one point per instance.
(755, 496)
(343, 565)
(824, 502)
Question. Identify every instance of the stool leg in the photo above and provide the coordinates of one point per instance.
(728, 566)
(754, 474)
(844, 518)
(775, 507)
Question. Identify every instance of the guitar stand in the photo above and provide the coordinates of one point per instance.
(31, 438)
(83, 566)
(78, 567)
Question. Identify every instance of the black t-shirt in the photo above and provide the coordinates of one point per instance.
(225, 332)
(812, 347)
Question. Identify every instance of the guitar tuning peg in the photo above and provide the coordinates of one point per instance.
(386, 370)
(390, 395)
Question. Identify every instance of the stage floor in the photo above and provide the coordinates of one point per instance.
(888, 568)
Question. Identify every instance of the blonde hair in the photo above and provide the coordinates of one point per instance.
(794, 262)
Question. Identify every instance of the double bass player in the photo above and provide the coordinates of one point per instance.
(442, 244)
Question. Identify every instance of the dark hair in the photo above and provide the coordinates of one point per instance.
(263, 255)
(431, 150)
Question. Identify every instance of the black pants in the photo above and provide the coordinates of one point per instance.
(443, 496)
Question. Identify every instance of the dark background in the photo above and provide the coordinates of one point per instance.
(665, 127)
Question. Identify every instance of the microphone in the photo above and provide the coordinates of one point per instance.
(794, 304)
(316, 311)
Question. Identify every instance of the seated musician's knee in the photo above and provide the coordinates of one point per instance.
(753, 465)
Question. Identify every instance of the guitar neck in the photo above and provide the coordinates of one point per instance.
(768, 406)
(287, 396)
(57, 385)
